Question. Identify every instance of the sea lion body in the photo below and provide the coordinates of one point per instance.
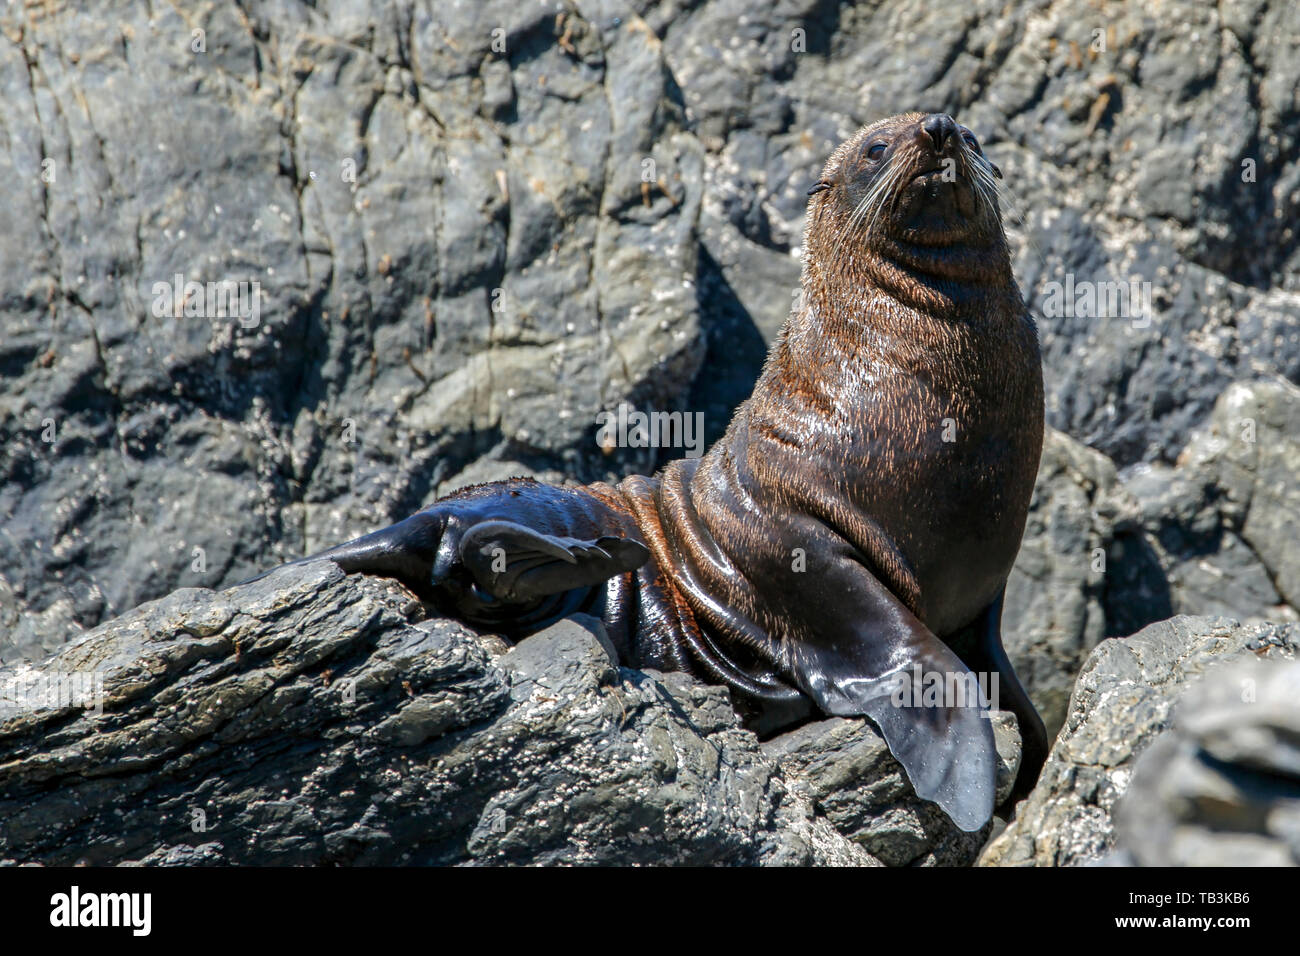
(859, 517)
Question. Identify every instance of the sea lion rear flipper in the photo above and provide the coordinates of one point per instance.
(989, 656)
(405, 551)
(863, 662)
(514, 563)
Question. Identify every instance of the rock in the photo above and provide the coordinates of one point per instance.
(843, 767)
(1221, 787)
(1250, 451)
(1122, 702)
(1220, 528)
(1055, 611)
(454, 257)
(205, 854)
(1105, 555)
(317, 718)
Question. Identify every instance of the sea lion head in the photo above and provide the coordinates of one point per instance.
(912, 193)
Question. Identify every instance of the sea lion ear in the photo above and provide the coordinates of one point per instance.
(818, 187)
(514, 563)
(994, 166)
(867, 665)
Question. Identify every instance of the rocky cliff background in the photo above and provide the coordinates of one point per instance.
(474, 226)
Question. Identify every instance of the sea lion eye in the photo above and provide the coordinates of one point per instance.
(876, 151)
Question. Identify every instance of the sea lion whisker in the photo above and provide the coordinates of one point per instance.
(851, 226)
(848, 227)
(979, 169)
(871, 201)
(1007, 203)
(986, 189)
(887, 193)
(872, 197)
(864, 205)
(873, 204)
(988, 182)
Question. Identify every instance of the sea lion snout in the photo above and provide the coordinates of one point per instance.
(936, 147)
(939, 127)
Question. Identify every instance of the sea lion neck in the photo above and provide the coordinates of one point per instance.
(954, 284)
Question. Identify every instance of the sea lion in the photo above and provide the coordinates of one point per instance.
(859, 517)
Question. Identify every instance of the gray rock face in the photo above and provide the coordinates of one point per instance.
(455, 250)
(1055, 611)
(1221, 528)
(1250, 449)
(1222, 786)
(313, 717)
(1105, 554)
(1123, 701)
(463, 231)
(473, 226)
(843, 768)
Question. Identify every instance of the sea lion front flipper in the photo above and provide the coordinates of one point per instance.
(862, 661)
(514, 563)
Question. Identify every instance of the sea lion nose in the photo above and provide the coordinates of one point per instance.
(939, 126)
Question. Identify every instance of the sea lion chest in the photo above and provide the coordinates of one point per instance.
(935, 443)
